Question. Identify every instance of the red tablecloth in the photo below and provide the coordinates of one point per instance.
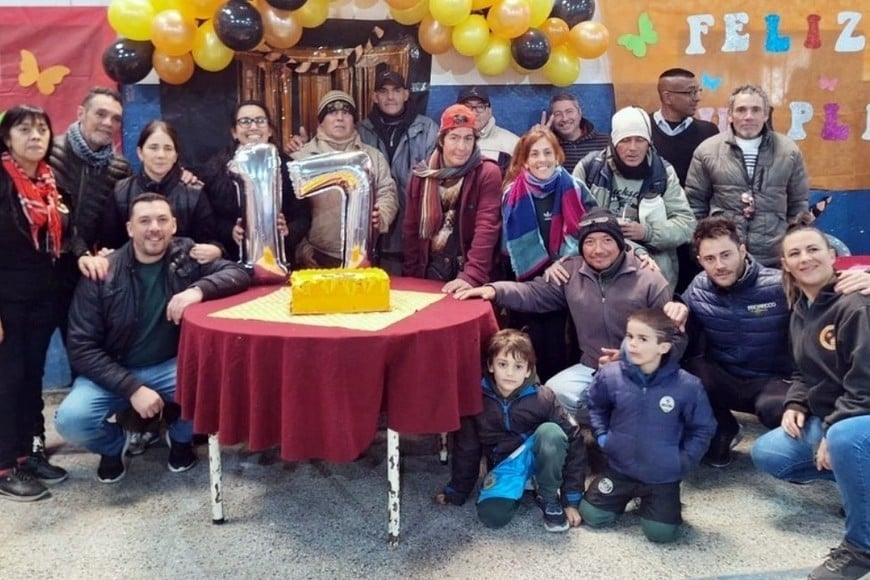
(318, 391)
(846, 262)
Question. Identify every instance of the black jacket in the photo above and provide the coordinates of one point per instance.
(102, 320)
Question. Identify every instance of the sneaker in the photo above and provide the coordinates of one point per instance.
(19, 485)
(719, 453)
(139, 442)
(182, 456)
(555, 519)
(113, 468)
(844, 561)
(37, 465)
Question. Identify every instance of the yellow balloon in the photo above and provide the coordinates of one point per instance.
(131, 18)
(509, 18)
(402, 4)
(434, 37)
(589, 39)
(471, 36)
(540, 11)
(449, 12)
(412, 15)
(209, 53)
(556, 30)
(183, 6)
(477, 5)
(205, 9)
(313, 13)
(175, 70)
(495, 58)
(172, 33)
(562, 68)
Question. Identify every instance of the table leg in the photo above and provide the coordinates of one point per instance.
(393, 500)
(442, 448)
(214, 479)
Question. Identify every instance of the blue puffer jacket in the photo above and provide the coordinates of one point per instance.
(657, 427)
(744, 328)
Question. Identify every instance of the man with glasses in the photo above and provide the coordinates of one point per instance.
(405, 139)
(337, 117)
(676, 133)
(577, 135)
(494, 142)
(751, 175)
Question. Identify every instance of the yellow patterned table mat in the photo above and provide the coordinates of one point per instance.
(275, 307)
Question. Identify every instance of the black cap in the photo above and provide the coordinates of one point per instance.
(473, 92)
(601, 220)
(389, 77)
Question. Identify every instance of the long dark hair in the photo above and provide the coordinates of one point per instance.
(19, 114)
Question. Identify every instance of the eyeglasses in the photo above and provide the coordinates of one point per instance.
(248, 121)
(598, 220)
(693, 92)
(479, 108)
(748, 201)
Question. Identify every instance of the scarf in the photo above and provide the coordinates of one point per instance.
(40, 201)
(432, 174)
(639, 172)
(525, 246)
(80, 147)
(328, 144)
(391, 128)
(164, 186)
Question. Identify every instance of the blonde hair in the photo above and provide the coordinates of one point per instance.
(802, 222)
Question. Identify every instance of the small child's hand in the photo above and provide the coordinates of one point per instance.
(573, 515)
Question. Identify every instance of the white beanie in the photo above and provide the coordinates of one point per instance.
(630, 122)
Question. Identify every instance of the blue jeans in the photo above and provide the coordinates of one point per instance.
(791, 459)
(82, 418)
(570, 387)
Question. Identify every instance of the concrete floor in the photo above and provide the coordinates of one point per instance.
(322, 520)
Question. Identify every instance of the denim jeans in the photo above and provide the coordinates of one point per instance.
(848, 440)
(82, 418)
(570, 386)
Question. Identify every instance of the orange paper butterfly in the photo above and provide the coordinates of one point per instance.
(46, 80)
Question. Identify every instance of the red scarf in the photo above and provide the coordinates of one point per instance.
(40, 201)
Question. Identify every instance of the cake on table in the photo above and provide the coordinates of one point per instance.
(339, 291)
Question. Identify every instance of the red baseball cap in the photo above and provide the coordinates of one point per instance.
(456, 117)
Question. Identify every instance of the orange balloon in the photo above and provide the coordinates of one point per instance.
(281, 28)
(435, 38)
(209, 53)
(509, 18)
(172, 33)
(175, 70)
(556, 30)
(589, 39)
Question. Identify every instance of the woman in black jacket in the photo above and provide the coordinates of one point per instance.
(32, 222)
(158, 151)
(251, 124)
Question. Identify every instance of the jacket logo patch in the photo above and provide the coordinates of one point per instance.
(666, 403)
(605, 485)
(761, 309)
(828, 337)
(489, 481)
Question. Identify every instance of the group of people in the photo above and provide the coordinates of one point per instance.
(644, 265)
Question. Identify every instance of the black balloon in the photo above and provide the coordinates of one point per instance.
(286, 4)
(531, 49)
(128, 61)
(238, 25)
(573, 11)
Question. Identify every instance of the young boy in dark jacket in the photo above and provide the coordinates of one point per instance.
(654, 423)
(522, 431)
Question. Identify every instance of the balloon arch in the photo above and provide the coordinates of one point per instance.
(175, 36)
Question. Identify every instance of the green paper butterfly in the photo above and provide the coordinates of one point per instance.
(637, 43)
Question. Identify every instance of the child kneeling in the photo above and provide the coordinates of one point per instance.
(654, 423)
(523, 431)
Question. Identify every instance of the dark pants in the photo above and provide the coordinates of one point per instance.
(548, 333)
(27, 329)
(763, 397)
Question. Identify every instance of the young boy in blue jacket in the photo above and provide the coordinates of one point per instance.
(654, 423)
(522, 431)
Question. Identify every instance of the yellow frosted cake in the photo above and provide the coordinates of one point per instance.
(339, 290)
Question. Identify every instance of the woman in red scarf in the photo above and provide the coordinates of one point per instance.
(32, 219)
(453, 216)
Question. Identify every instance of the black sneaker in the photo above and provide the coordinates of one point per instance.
(555, 519)
(182, 456)
(719, 453)
(113, 468)
(37, 465)
(19, 485)
(844, 562)
(139, 442)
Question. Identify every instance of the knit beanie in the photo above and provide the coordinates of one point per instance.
(601, 220)
(333, 101)
(630, 122)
